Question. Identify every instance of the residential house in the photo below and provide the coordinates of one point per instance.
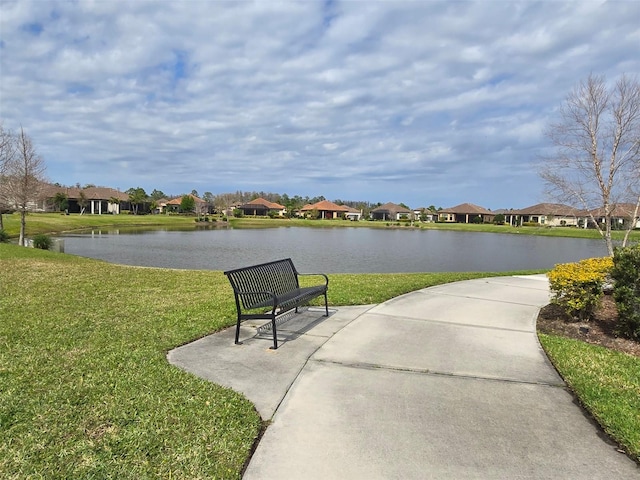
(548, 214)
(262, 207)
(200, 206)
(325, 209)
(391, 211)
(425, 214)
(466, 213)
(620, 215)
(94, 200)
(505, 212)
(230, 209)
(353, 214)
(161, 205)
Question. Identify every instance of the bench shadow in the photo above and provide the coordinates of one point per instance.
(292, 325)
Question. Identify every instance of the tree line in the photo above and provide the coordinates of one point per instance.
(142, 202)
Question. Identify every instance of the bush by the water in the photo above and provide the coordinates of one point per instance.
(577, 287)
(626, 291)
(42, 241)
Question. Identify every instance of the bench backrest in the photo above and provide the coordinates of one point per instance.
(276, 277)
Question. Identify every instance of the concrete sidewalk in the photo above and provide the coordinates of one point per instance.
(445, 382)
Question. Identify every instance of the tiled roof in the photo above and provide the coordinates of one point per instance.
(549, 209)
(467, 208)
(264, 203)
(504, 211)
(619, 210)
(178, 200)
(424, 209)
(352, 210)
(325, 205)
(90, 193)
(390, 207)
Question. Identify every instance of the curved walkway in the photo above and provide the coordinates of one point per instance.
(445, 382)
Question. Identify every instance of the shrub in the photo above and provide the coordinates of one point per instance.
(4, 236)
(42, 241)
(626, 290)
(577, 287)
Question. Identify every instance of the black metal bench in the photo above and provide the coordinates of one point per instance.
(274, 288)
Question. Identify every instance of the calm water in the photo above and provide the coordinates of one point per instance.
(333, 250)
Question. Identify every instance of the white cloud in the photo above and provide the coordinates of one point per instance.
(421, 102)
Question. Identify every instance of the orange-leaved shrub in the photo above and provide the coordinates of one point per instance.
(577, 287)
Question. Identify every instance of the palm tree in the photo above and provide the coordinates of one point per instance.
(61, 201)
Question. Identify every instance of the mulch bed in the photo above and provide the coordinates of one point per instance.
(599, 330)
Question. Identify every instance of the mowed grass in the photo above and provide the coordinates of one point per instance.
(85, 387)
(607, 383)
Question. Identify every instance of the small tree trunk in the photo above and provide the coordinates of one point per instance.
(631, 226)
(607, 235)
(23, 224)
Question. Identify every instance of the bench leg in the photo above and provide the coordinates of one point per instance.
(326, 305)
(275, 334)
(238, 331)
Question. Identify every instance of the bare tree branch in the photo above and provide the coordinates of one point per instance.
(24, 175)
(597, 149)
(6, 154)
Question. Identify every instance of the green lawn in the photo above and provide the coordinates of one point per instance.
(85, 387)
(606, 382)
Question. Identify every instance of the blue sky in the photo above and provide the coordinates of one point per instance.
(420, 102)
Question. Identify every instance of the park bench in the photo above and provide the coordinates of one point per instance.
(268, 290)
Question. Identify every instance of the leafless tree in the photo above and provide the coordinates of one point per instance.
(83, 202)
(6, 152)
(223, 201)
(597, 149)
(24, 176)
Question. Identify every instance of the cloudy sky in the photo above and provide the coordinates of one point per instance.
(420, 102)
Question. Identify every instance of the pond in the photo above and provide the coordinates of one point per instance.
(332, 250)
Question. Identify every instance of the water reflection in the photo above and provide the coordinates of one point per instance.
(331, 250)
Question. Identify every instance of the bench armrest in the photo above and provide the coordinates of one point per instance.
(326, 279)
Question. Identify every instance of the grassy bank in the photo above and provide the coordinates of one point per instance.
(55, 223)
(606, 382)
(85, 387)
